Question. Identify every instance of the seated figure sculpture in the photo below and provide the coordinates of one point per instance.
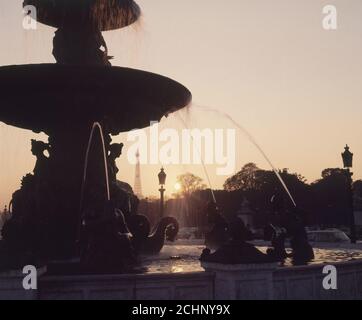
(277, 230)
(25, 232)
(288, 223)
(80, 46)
(37, 149)
(236, 250)
(278, 251)
(115, 151)
(219, 233)
(302, 251)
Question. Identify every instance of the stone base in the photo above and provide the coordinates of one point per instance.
(242, 282)
(180, 286)
(11, 286)
(219, 282)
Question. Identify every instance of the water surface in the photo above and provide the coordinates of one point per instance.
(185, 258)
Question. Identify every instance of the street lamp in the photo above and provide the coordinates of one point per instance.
(162, 182)
(347, 157)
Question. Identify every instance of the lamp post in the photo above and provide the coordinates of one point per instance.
(162, 182)
(347, 157)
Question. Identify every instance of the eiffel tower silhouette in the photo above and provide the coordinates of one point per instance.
(137, 182)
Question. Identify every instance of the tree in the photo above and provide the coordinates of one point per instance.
(245, 179)
(190, 183)
(332, 197)
(326, 173)
(258, 186)
(3, 217)
(357, 187)
(251, 178)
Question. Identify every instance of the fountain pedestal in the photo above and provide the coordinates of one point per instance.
(64, 100)
(243, 281)
(11, 286)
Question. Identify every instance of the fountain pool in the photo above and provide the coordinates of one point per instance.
(183, 278)
(183, 258)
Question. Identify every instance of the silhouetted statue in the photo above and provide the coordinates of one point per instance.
(219, 233)
(151, 243)
(278, 238)
(23, 231)
(302, 251)
(286, 223)
(80, 47)
(108, 247)
(237, 250)
(143, 239)
(21, 234)
(115, 151)
(37, 149)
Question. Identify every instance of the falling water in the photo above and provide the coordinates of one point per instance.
(202, 160)
(252, 140)
(95, 126)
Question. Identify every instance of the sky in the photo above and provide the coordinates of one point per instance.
(270, 65)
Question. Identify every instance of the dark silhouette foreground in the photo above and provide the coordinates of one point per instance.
(56, 214)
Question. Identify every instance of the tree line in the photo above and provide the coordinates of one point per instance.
(324, 202)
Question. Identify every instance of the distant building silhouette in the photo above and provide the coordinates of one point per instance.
(138, 184)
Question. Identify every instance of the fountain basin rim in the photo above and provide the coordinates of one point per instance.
(261, 266)
(319, 265)
(40, 96)
(209, 266)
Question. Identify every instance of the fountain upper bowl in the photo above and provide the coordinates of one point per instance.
(48, 97)
(102, 15)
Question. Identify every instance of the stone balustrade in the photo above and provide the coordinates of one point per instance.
(237, 282)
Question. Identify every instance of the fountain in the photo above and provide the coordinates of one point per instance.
(72, 215)
(64, 100)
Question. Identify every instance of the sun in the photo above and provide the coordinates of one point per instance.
(177, 186)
